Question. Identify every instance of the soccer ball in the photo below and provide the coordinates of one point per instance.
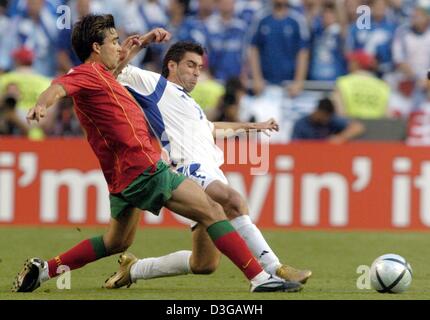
(390, 273)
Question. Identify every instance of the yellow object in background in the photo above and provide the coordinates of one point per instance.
(30, 86)
(36, 134)
(207, 93)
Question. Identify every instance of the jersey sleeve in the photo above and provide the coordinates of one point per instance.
(140, 80)
(77, 82)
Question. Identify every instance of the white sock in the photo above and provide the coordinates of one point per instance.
(256, 243)
(173, 264)
(44, 275)
(260, 278)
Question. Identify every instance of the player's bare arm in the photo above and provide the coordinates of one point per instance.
(134, 44)
(226, 128)
(47, 98)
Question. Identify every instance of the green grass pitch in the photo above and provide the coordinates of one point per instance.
(333, 256)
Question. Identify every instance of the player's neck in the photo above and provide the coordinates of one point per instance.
(175, 81)
(95, 60)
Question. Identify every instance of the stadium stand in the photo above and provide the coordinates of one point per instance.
(284, 73)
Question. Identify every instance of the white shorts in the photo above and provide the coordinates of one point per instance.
(203, 176)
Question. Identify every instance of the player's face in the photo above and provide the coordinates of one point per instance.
(110, 50)
(186, 73)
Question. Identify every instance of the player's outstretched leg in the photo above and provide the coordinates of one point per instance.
(127, 261)
(190, 201)
(118, 238)
(36, 271)
(236, 210)
(261, 249)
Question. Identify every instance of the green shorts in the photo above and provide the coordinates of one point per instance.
(149, 191)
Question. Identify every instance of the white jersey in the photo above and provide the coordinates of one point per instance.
(174, 117)
(413, 49)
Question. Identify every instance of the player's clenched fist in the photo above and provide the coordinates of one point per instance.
(156, 35)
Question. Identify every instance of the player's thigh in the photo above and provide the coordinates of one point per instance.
(205, 256)
(190, 201)
(232, 201)
(121, 230)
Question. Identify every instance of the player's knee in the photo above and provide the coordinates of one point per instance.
(234, 205)
(217, 211)
(210, 213)
(204, 268)
(117, 246)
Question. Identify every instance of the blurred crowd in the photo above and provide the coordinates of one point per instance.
(351, 60)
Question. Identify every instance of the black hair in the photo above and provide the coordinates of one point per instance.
(91, 28)
(326, 105)
(177, 52)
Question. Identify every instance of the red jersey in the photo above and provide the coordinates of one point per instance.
(114, 124)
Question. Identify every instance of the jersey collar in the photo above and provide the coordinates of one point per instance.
(177, 86)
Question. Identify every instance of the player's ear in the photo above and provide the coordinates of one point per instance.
(97, 47)
(172, 65)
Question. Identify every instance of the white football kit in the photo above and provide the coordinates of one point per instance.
(185, 133)
(179, 123)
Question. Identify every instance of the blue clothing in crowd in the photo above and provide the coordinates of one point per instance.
(327, 60)
(304, 128)
(64, 43)
(226, 45)
(18, 7)
(278, 42)
(377, 41)
(40, 37)
(193, 29)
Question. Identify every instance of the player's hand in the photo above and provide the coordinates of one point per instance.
(131, 44)
(36, 113)
(157, 35)
(268, 126)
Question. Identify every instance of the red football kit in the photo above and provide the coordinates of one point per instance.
(114, 124)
